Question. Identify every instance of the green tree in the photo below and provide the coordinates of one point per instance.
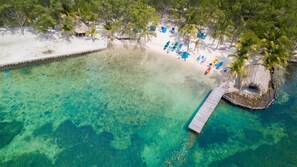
(92, 32)
(44, 22)
(275, 47)
(222, 30)
(237, 69)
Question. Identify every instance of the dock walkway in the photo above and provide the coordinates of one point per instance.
(206, 109)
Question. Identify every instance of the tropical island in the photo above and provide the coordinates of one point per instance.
(134, 74)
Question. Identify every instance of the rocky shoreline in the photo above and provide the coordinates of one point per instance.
(294, 58)
(254, 101)
(251, 102)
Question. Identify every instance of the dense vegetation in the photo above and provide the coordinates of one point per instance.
(266, 28)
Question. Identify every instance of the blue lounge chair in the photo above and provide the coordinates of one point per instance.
(198, 58)
(201, 35)
(153, 28)
(163, 29)
(172, 30)
(225, 70)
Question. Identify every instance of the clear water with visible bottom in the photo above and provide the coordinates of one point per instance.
(130, 108)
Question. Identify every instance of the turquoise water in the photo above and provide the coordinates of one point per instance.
(131, 108)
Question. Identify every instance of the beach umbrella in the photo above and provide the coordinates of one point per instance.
(164, 29)
(185, 55)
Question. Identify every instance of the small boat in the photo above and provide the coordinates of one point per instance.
(215, 61)
(174, 47)
(208, 70)
(219, 65)
(166, 45)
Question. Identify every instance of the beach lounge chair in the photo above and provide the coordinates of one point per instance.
(172, 30)
(153, 28)
(199, 58)
(203, 35)
(225, 70)
(163, 29)
(199, 35)
(223, 48)
(203, 60)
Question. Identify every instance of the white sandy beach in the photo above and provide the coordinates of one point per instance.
(206, 48)
(18, 48)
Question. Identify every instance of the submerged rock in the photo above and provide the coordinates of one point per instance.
(8, 130)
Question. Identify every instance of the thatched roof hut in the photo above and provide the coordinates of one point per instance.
(81, 29)
(257, 79)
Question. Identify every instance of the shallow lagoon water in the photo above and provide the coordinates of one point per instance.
(130, 108)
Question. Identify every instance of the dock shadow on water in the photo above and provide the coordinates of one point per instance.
(125, 107)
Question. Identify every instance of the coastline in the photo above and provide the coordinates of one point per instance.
(21, 49)
(17, 48)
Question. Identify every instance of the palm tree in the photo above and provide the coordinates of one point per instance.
(188, 31)
(222, 29)
(275, 47)
(92, 31)
(197, 42)
(237, 69)
(146, 35)
(241, 54)
(249, 41)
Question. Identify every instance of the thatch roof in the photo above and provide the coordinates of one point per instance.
(258, 76)
(81, 28)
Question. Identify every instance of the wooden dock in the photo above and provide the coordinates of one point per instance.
(206, 109)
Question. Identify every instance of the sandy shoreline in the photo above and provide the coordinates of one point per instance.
(19, 48)
(206, 48)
